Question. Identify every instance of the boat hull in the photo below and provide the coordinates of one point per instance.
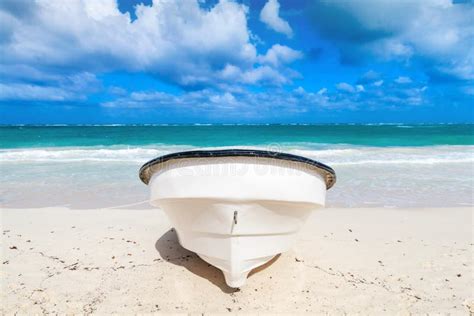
(236, 237)
(237, 213)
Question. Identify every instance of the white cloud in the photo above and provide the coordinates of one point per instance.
(28, 91)
(223, 99)
(345, 87)
(261, 74)
(403, 79)
(348, 88)
(369, 77)
(179, 41)
(117, 91)
(436, 33)
(62, 88)
(271, 17)
(277, 101)
(378, 83)
(299, 90)
(243, 104)
(101, 9)
(278, 55)
(264, 74)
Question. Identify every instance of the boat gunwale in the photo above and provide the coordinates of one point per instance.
(330, 174)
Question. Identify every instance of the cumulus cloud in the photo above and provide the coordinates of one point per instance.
(378, 83)
(243, 104)
(270, 15)
(348, 88)
(62, 88)
(322, 91)
(263, 74)
(279, 55)
(178, 41)
(369, 77)
(345, 87)
(170, 39)
(436, 33)
(35, 92)
(238, 105)
(403, 79)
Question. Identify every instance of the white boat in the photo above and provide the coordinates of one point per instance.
(237, 208)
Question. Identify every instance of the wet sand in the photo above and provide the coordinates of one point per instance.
(367, 261)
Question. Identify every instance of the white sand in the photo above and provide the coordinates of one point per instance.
(365, 261)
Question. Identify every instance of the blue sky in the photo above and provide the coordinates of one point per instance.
(246, 61)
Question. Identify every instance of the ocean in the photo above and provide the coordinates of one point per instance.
(377, 165)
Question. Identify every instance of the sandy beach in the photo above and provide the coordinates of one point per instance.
(366, 261)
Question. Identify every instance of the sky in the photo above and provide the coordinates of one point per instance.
(249, 61)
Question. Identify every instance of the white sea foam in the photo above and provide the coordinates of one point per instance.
(118, 154)
(392, 155)
(349, 155)
(429, 161)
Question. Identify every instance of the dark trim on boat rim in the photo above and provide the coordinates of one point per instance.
(328, 172)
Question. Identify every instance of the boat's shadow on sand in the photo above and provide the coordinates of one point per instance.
(171, 251)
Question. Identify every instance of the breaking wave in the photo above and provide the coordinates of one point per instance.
(337, 156)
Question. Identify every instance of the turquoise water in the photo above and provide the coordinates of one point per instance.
(376, 165)
(235, 135)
